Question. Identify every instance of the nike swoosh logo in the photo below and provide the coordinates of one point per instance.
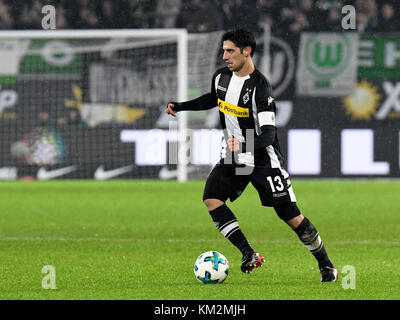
(44, 174)
(166, 174)
(101, 174)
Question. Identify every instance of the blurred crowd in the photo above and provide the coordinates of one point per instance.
(284, 16)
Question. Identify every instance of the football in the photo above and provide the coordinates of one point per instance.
(211, 267)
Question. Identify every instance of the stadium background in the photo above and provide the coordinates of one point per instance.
(136, 238)
(343, 126)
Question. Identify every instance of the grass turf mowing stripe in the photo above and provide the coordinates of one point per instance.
(139, 239)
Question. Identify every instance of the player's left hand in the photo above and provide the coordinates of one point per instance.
(233, 144)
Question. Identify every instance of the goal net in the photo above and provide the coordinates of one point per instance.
(89, 104)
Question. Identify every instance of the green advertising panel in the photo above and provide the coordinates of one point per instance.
(379, 57)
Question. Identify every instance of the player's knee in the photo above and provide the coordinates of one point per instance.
(212, 204)
(296, 221)
(289, 212)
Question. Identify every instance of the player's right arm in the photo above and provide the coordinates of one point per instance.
(170, 109)
(204, 102)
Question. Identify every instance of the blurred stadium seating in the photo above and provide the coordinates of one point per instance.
(290, 16)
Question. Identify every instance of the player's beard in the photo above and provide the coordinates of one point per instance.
(238, 68)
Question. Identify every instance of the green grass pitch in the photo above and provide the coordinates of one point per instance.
(139, 240)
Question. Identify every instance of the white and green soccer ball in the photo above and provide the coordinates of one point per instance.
(211, 267)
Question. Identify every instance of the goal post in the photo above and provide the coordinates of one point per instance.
(99, 85)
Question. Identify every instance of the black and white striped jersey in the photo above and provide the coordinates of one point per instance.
(247, 112)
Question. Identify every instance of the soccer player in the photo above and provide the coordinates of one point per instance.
(250, 152)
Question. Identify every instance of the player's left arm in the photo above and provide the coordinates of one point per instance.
(265, 119)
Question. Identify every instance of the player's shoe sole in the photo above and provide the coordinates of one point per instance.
(252, 261)
(329, 274)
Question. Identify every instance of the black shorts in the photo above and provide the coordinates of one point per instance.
(272, 184)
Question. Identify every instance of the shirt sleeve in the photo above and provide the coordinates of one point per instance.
(265, 115)
(265, 105)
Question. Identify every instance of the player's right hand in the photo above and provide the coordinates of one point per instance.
(233, 144)
(169, 110)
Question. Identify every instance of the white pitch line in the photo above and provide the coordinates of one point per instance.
(340, 242)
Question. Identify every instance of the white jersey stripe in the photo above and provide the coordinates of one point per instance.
(291, 194)
(255, 115)
(233, 96)
(274, 158)
(216, 81)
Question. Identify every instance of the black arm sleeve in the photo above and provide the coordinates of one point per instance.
(204, 102)
(266, 110)
(266, 138)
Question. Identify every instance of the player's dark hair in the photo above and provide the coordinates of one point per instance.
(241, 38)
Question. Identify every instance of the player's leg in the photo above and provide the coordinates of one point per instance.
(309, 236)
(275, 190)
(222, 184)
(226, 223)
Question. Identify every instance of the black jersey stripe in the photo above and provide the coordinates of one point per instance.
(221, 89)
